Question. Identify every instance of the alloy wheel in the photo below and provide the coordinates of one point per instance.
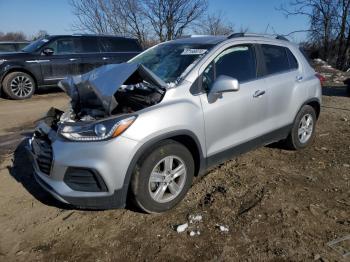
(167, 179)
(21, 86)
(305, 129)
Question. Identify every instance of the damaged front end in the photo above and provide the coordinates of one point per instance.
(104, 101)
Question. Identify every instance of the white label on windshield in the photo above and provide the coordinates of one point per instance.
(189, 51)
(44, 40)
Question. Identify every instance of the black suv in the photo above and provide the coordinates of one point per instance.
(46, 61)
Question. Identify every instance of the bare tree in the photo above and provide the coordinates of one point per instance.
(126, 17)
(40, 34)
(343, 43)
(214, 24)
(321, 14)
(170, 18)
(117, 17)
(90, 16)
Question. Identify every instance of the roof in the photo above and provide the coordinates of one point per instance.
(90, 35)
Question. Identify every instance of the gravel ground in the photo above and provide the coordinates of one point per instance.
(271, 204)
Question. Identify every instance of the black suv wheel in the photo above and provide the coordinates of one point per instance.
(18, 85)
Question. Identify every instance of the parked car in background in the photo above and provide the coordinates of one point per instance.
(13, 46)
(45, 62)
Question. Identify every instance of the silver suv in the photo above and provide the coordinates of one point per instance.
(142, 130)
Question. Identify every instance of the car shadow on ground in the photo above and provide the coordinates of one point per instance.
(48, 90)
(340, 91)
(22, 171)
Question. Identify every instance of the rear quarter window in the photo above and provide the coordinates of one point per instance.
(89, 45)
(276, 59)
(293, 62)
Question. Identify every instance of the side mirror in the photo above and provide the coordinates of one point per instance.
(48, 51)
(222, 84)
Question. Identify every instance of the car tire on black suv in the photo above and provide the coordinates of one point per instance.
(303, 131)
(18, 85)
(157, 188)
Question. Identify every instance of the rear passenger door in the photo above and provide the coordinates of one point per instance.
(282, 74)
(90, 56)
(117, 50)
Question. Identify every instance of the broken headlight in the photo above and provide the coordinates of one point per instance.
(96, 131)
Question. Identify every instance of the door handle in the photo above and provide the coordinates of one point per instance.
(105, 58)
(259, 93)
(73, 59)
(299, 78)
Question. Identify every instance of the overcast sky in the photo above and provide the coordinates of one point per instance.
(55, 16)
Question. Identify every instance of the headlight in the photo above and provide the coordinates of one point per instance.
(2, 61)
(96, 131)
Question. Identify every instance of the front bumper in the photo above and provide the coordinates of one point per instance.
(110, 159)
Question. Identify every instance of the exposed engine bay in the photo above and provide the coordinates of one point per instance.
(110, 90)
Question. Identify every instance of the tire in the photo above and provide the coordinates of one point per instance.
(147, 193)
(18, 85)
(301, 138)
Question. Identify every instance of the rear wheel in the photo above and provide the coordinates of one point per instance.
(303, 131)
(162, 178)
(18, 85)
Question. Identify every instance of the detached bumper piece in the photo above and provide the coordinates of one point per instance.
(83, 179)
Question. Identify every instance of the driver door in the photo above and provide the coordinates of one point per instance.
(233, 120)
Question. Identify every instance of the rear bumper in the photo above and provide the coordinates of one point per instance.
(97, 156)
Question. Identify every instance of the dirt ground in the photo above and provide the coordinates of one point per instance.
(277, 204)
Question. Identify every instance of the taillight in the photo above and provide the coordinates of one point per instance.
(321, 78)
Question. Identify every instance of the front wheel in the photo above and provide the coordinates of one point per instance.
(18, 85)
(303, 131)
(162, 179)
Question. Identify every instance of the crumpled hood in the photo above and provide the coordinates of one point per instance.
(96, 88)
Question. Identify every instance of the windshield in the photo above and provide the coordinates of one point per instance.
(34, 46)
(168, 61)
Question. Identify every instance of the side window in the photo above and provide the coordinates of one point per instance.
(293, 62)
(119, 45)
(276, 59)
(238, 62)
(63, 46)
(89, 45)
(126, 45)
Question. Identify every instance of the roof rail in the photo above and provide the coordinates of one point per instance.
(191, 36)
(236, 35)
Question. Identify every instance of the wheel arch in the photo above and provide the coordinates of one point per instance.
(18, 69)
(316, 105)
(185, 137)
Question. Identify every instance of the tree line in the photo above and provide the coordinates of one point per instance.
(149, 21)
(329, 28)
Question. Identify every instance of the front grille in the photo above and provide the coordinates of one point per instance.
(43, 151)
